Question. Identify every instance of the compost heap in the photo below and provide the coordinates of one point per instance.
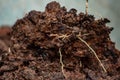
(60, 44)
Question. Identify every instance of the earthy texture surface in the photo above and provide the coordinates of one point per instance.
(56, 45)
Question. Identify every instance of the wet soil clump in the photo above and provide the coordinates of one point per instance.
(60, 44)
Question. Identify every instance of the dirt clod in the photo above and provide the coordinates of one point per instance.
(59, 44)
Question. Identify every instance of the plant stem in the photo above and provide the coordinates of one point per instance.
(86, 7)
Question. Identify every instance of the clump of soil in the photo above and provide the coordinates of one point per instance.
(4, 39)
(60, 44)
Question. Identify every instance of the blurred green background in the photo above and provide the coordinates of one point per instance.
(11, 10)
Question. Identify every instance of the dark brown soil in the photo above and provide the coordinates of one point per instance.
(4, 39)
(58, 45)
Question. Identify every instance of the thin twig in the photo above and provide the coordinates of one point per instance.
(86, 10)
(61, 61)
(63, 36)
(93, 52)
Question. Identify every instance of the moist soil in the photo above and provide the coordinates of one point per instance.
(58, 45)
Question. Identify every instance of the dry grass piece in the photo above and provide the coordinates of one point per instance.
(63, 36)
(62, 65)
(93, 52)
(86, 7)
